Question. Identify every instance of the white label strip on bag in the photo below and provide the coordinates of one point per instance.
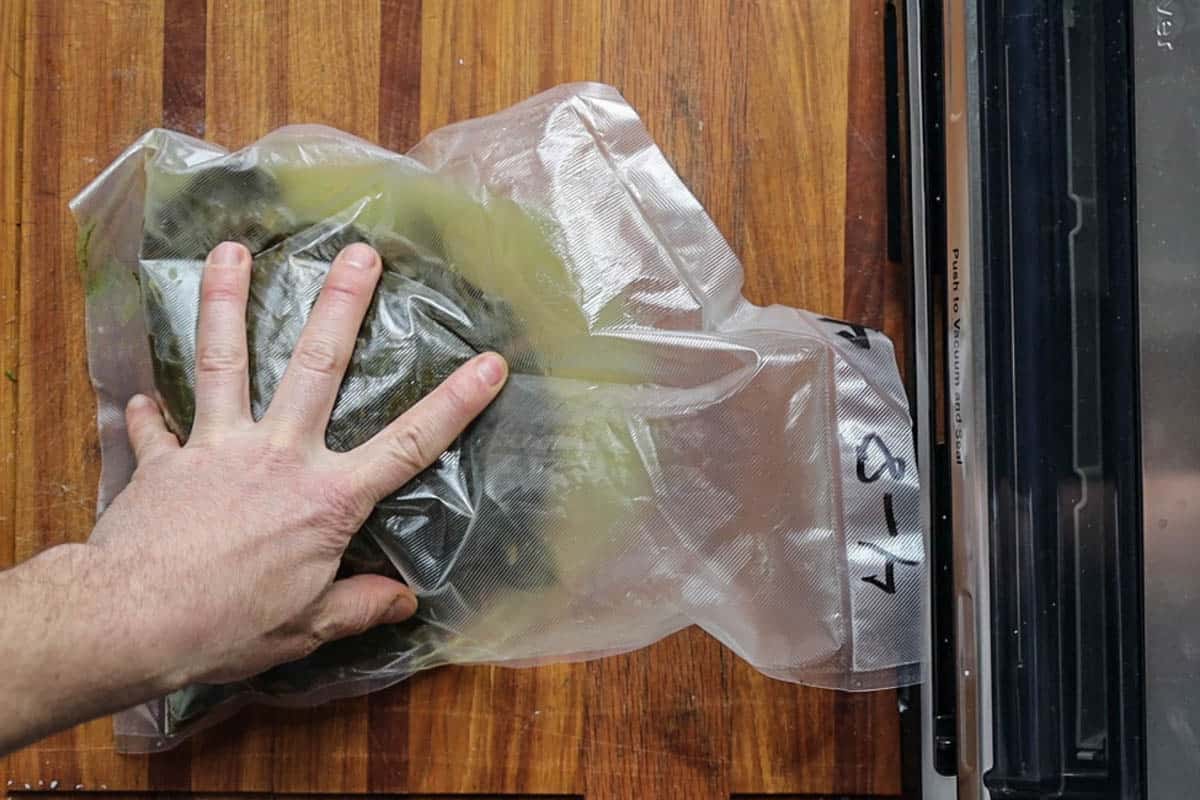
(880, 500)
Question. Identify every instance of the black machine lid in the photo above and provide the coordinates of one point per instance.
(1059, 631)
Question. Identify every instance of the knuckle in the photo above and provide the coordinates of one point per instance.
(219, 292)
(456, 398)
(220, 358)
(341, 291)
(318, 353)
(152, 453)
(323, 631)
(221, 285)
(351, 616)
(278, 455)
(407, 450)
(357, 614)
(343, 504)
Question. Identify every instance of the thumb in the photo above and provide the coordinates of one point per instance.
(147, 430)
(357, 604)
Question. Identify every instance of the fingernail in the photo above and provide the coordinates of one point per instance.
(403, 607)
(138, 401)
(491, 368)
(359, 256)
(228, 254)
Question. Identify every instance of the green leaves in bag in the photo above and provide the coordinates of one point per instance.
(457, 544)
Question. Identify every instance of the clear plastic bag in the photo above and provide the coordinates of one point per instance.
(665, 454)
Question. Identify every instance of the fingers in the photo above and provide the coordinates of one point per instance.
(306, 394)
(357, 604)
(416, 439)
(147, 430)
(222, 383)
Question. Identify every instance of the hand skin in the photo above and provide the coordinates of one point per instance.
(217, 561)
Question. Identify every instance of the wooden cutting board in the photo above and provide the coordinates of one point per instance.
(772, 112)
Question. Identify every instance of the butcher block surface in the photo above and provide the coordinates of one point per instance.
(773, 113)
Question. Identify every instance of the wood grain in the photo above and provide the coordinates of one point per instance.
(185, 50)
(659, 720)
(246, 76)
(57, 794)
(333, 64)
(686, 74)
(864, 287)
(791, 233)
(772, 114)
(492, 729)
(477, 58)
(12, 105)
(92, 84)
(875, 288)
(796, 739)
(400, 73)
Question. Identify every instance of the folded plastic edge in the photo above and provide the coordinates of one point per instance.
(118, 360)
(683, 229)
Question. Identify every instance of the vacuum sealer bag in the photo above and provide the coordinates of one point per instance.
(664, 454)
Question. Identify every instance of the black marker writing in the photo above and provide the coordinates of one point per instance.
(888, 584)
(857, 335)
(895, 466)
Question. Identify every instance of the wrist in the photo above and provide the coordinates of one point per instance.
(92, 641)
(68, 652)
(131, 622)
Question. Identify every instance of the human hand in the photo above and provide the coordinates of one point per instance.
(223, 551)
